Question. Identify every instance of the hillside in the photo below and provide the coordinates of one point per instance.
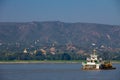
(79, 34)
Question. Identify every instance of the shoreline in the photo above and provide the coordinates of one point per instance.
(40, 62)
(46, 62)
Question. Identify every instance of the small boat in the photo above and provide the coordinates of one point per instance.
(93, 63)
(107, 65)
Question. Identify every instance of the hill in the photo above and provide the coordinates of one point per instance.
(61, 33)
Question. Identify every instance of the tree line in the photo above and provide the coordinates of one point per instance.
(41, 56)
(4, 55)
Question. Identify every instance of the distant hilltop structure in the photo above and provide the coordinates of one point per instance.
(25, 51)
(52, 50)
(43, 51)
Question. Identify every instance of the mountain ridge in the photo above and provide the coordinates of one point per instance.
(79, 34)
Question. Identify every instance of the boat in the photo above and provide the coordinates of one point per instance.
(93, 63)
(107, 65)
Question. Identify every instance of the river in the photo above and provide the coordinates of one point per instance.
(51, 71)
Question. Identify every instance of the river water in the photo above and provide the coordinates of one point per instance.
(52, 71)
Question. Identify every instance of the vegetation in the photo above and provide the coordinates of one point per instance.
(40, 56)
(4, 56)
(58, 41)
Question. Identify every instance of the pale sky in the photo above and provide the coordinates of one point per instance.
(91, 11)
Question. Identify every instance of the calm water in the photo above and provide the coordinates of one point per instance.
(55, 72)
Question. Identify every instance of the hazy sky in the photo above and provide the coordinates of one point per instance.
(92, 11)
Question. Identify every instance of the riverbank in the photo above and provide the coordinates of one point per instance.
(38, 61)
(115, 61)
(46, 61)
